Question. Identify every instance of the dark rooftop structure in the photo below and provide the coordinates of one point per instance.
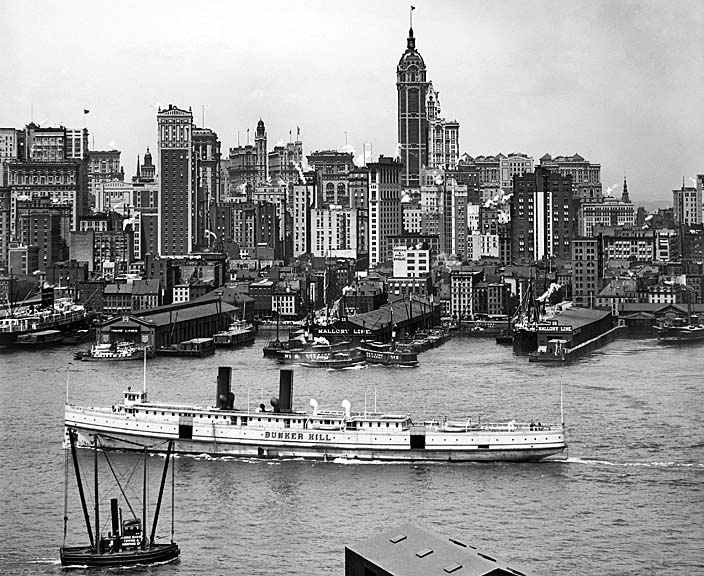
(411, 551)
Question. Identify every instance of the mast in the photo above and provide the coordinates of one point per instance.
(144, 377)
(144, 503)
(72, 438)
(161, 492)
(97, 502)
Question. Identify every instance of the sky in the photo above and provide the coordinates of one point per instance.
(619, 82)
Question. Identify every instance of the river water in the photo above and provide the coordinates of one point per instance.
(629, 499)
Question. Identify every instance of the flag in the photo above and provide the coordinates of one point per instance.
(86, 111)
(413, 7)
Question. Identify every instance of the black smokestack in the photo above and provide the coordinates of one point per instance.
(115, 518)
(285, 390)
(223, 392)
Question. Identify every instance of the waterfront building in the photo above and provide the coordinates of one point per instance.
(461, 292)
(587, 270)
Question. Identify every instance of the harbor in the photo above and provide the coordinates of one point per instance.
(628, 431)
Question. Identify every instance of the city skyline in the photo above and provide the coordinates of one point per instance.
(617, 83)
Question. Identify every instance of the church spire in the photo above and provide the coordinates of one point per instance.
(138, 169)
(624, 194)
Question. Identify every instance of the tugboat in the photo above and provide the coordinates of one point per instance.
(387, 354)
(127, 543)
(680, 331)
(240, 333)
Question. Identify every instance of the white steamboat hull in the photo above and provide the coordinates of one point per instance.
(222, 440)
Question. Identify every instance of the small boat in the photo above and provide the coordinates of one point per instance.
(336, 360)
(41, 339)
(387, 354)
(120, 351)
(240, 333)
(127, 543)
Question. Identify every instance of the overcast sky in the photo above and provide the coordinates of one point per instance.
(619, 82)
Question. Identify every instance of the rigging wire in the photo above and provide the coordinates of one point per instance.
(65, 494)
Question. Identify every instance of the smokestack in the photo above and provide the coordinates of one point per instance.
(115, 518)
(285, 390)
(222, 400)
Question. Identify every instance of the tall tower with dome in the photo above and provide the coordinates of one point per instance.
(412, 87)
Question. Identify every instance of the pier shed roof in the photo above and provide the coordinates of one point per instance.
(411, 551)
(577, 317)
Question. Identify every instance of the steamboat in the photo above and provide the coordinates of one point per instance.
(62, 314)
(282, 432)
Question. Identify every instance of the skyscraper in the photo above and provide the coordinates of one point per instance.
(412, 88)
(176, 181)
(385, 215)
(542, 216)
(262, 158)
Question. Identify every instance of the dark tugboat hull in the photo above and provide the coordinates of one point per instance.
(86, 556)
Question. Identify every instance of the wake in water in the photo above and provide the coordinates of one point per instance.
(656, 464)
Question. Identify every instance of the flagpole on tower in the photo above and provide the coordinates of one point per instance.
(410, 16)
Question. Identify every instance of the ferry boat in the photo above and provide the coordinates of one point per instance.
(387, 355)
(240, 333)
(63, 315)
(282, 432)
